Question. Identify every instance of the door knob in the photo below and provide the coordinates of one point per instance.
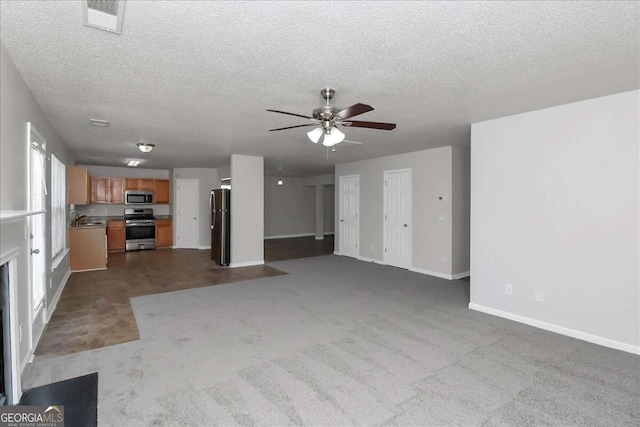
(406, 225)
(35, 251)
(342, 220)
(195, 217)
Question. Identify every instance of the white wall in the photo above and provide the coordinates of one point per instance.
(247, 210)
(289, 209)
(208, 180)
(554, 205)
(432, 219)
(17, 107)
(329, 208)
(127, 172)
(460, 208)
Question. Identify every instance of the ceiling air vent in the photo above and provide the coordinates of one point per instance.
(104, 14)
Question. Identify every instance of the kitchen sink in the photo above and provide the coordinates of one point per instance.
(84, 224)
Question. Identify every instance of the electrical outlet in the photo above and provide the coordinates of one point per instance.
(539, 296)
(508, 289)
(21, 332)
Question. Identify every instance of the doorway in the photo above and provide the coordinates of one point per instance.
(187, 218)
(397, 218)
(349, 215)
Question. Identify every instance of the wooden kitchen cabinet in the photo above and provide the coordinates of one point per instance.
(161, 191)
(116, 236)
(116, 191)
(164, 233)
(100, 190)
(145, 184)
(87, 248)
(107, 190)
(132, 184)
(78, 185)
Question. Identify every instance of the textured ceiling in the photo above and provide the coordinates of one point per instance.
(195, 78)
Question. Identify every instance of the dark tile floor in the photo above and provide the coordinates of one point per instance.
(297, 247)
(94, 310)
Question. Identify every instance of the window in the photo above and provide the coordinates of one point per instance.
(58, 207)
(38, 194)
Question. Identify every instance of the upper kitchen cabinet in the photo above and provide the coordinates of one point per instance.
(161, 191)
(139, 184)
(100, 190)
(78, 185)
(116, 190)
(107, 190)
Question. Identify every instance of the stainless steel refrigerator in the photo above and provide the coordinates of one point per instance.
(220, 221)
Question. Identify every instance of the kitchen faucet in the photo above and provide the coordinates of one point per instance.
(76, 220)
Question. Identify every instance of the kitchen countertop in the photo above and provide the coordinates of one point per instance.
(104, 219)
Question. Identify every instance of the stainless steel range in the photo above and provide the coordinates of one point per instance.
(140, 227)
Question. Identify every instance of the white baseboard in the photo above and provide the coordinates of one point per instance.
(461, 275)
(573, 333)
(337, 253)
(204, 247)
(54, 301)
(365, 259)
(246, 264)
(431, 273)
(89, 269)
(289, 236)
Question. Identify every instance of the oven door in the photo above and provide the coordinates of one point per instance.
(140, 231)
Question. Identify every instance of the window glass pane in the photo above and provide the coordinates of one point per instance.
(58, 206)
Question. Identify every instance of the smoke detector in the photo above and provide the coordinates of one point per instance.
(106, 15)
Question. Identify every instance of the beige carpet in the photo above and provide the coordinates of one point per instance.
(343, 342)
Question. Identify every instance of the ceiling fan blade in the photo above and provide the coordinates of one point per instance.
(291, 114)
(291, 127)
(351, 142)
(370, 125)
(354, 110)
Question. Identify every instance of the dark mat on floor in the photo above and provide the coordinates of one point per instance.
(79, 396)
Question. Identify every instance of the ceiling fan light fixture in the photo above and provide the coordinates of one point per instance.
(145, 148)
(333, 137)
(315, 134)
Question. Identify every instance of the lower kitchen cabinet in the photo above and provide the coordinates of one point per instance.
(87, 248)
(116, 236)
(164, 233)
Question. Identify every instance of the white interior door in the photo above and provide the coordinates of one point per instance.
(349, 215)
(397, 218)
(187, 218)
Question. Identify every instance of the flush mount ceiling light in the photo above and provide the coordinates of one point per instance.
(144, 147)
(99, 123)
(133, 162)
(106, 15)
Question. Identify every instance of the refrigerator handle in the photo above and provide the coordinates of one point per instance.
(210, 211)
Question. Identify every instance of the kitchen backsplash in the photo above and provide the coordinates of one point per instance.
(117, 210)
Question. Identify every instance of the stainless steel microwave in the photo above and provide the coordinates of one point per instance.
(138, 197)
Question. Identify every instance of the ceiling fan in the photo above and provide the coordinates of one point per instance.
(327, 118)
